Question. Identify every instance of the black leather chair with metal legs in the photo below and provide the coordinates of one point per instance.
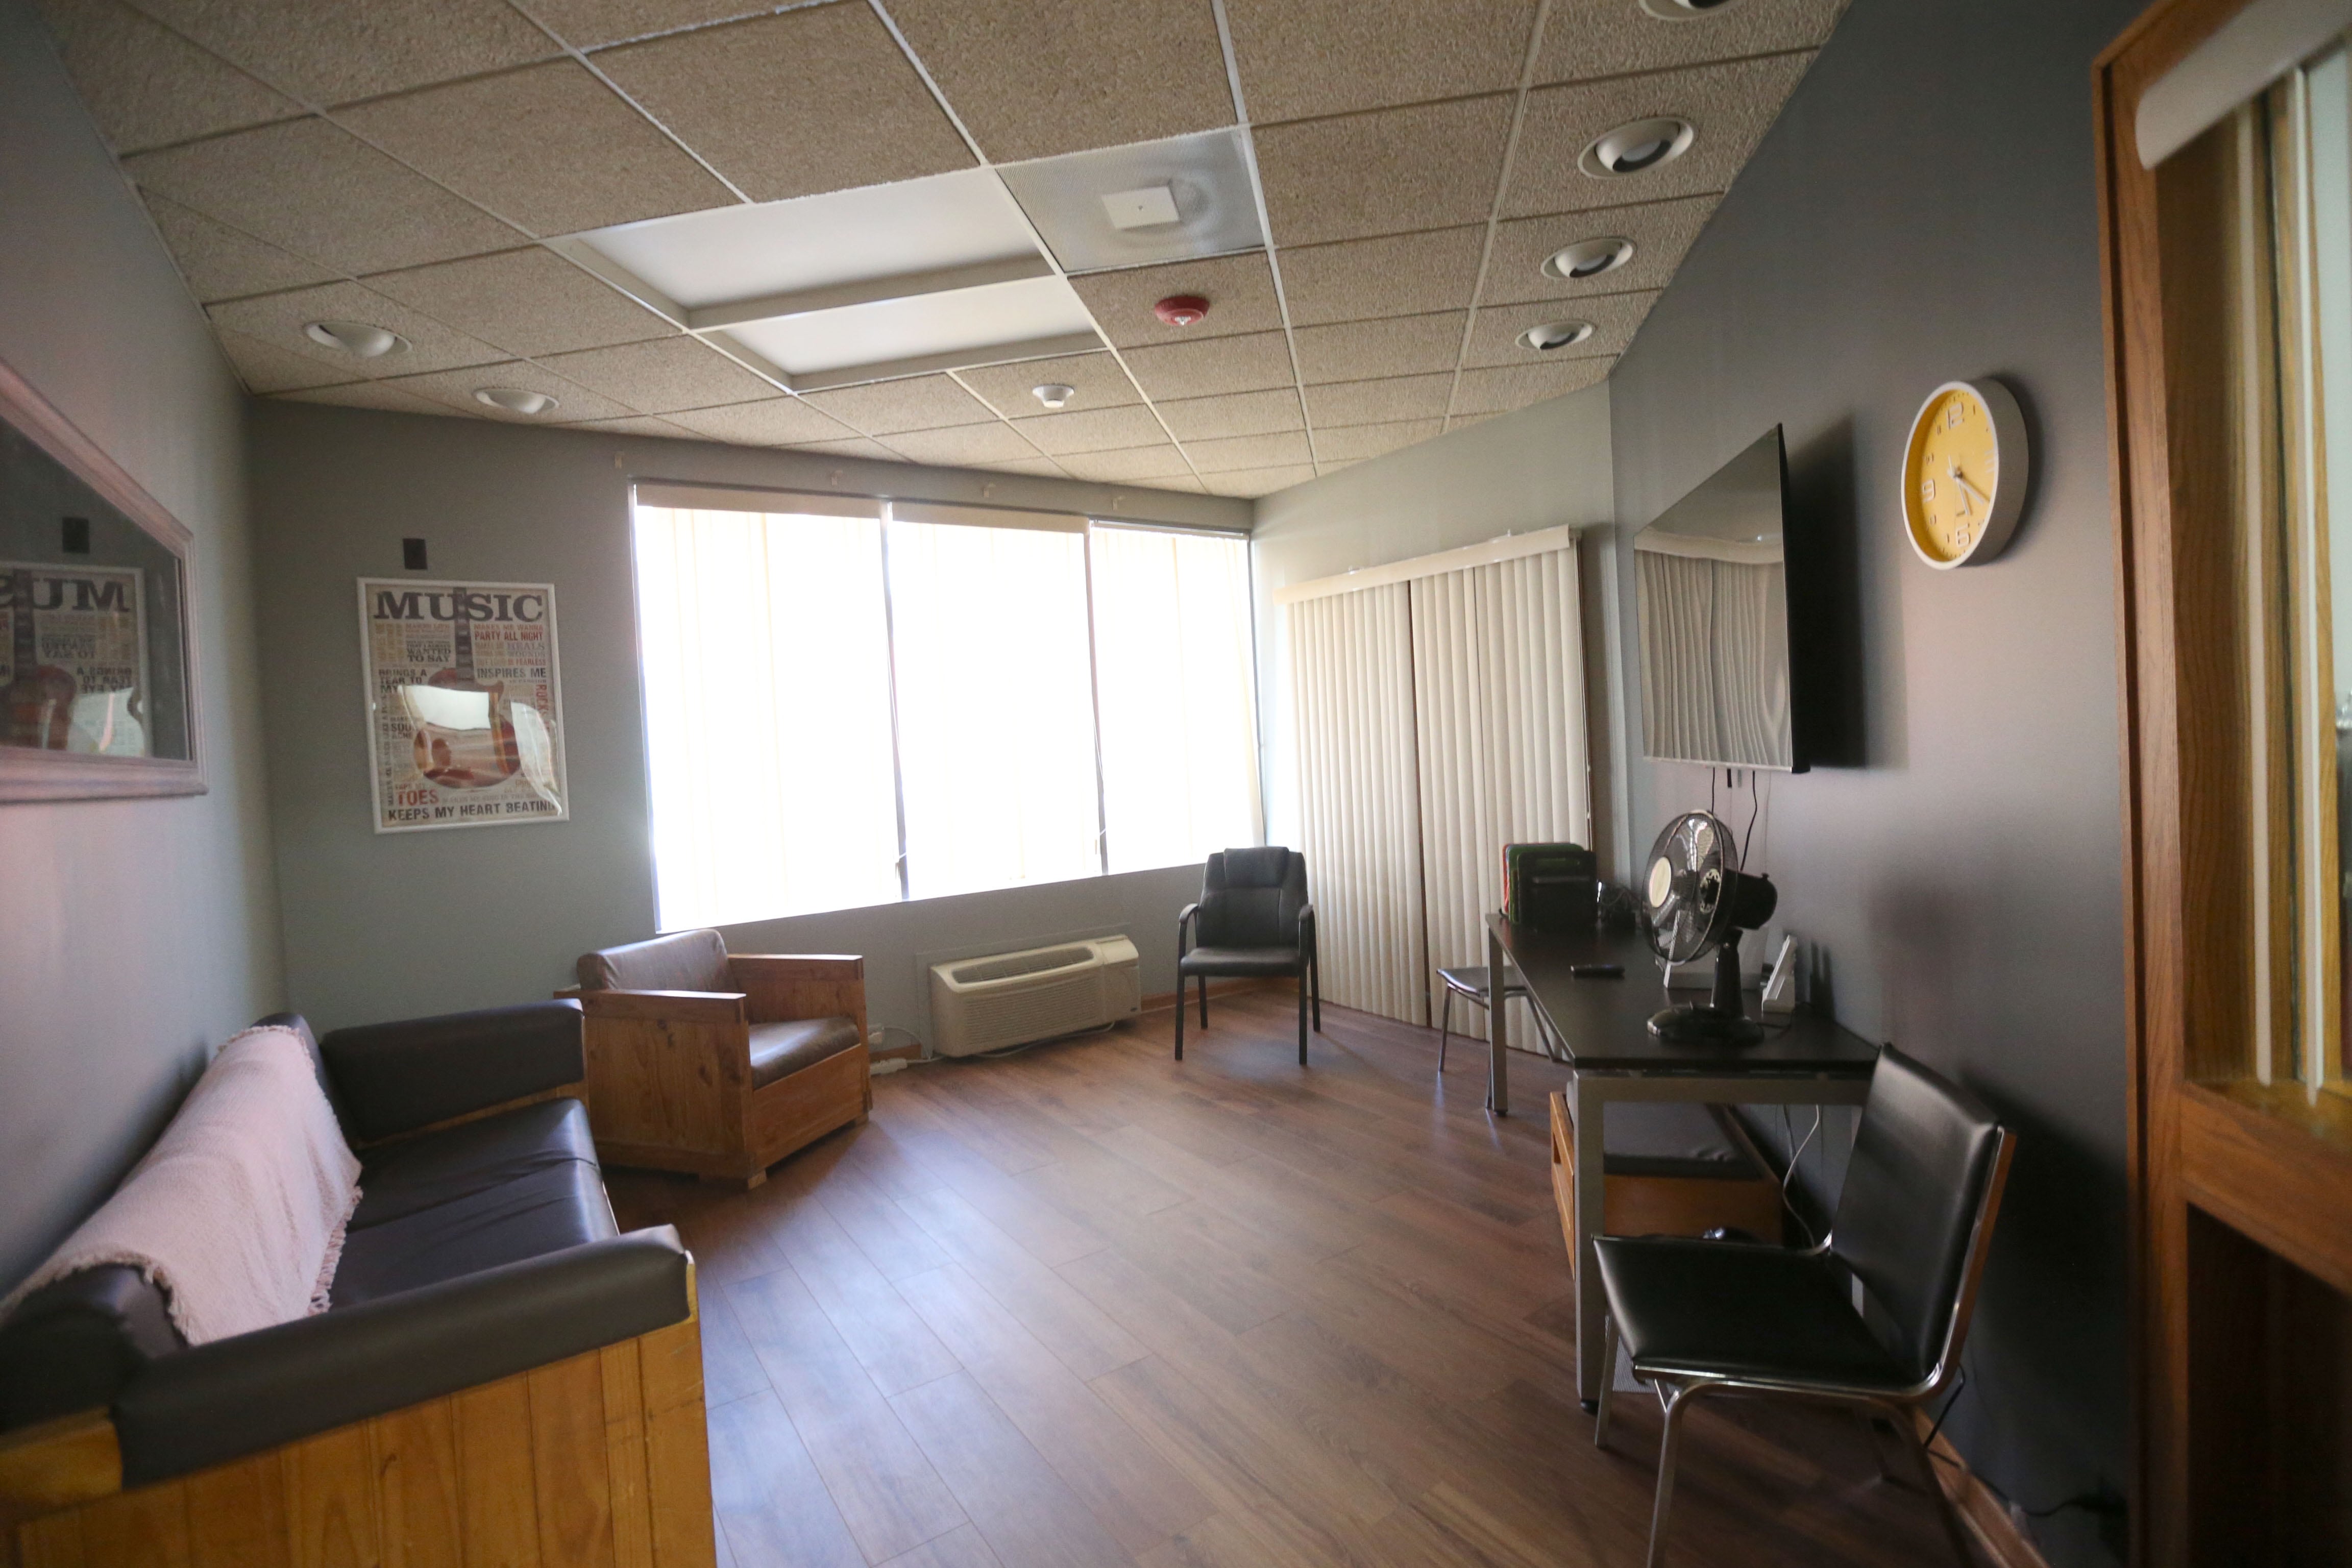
(1913, 1224)
(1253, 921)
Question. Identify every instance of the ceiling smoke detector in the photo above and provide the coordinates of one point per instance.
(515, 399)
(1632, 149)
(1183, 309)
(1588, 258)
(1054, 393)
(1554, 335)
(357, 339)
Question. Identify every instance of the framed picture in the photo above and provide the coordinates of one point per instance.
(97, 635)
(465, 718)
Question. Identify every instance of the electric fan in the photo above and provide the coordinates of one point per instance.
(1696, 899)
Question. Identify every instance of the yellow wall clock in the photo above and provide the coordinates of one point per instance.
(1964, 474)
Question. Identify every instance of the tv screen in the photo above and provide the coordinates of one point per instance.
(1713, 609)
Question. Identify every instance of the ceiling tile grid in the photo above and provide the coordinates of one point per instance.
(1416, 163)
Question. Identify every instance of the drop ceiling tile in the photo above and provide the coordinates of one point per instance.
(220, 263)
(1586, 38)
(1494, 337)
(1402, 275)
(1047, 466)
(814, 99)
(1033, 78)
(1155, 463)
(1662, 233)
(1352, 443)
(334, 54)
(855, 447)
(637, 424)
(1250, 363)
(1197, 419)
(265, 367)
(915, 403)
(549, 148)
(1378, 402)
(963, 445)
(1730, 106)
(594, 24)
(1428, 166)
(530, 302)
(770, 422)
(317, 190)
(1097, 378)
(455, 388)
(279, 320)
(1331, 56)
(377, 394)
(1239, 289)
(1252, 482)
(1092, 430)
(1501, 389)
(662, 376)
(1233, 452)
(1364, 351)
(146, 85)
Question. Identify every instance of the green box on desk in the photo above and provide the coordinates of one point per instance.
(1549, 886)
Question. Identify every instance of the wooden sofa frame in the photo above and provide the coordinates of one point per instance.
(669, 1072)
(598, 1458)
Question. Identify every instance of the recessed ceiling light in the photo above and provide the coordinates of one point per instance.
(1588, 258)
(1685, 10)
(514, 399)
(1054, 393)
(1642, 145)
(355, 337)
(1147, 207)
(1555, 335)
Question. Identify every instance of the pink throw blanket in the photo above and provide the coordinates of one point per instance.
(237, 1212)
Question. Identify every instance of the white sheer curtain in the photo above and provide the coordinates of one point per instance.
(1172, 668)
(996, 730)
(766, 713)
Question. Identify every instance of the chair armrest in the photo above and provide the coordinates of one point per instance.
(236, 1396)
(395, 1078)
(1306, 928)
(1187, 920)
(782, 986)
(676, 1006)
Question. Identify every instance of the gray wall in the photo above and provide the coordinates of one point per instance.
(391, 925)
(1539, 467)
(1925, 210)
(137, 934)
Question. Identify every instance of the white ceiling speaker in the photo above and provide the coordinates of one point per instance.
(515, 399)
(1588, 258)
(1054, 393)
(1685, 10)
(357, 339)
(1643, 145)
(1554, 335)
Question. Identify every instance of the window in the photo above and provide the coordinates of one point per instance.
(849, 702)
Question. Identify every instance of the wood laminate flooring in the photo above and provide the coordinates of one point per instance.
(1088, 1307)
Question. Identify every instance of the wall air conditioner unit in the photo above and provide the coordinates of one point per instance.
(1013, 998)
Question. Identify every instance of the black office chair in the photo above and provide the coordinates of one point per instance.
(1913, 1225)
(1253, 921)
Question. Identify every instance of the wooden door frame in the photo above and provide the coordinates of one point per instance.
(2261, 1161)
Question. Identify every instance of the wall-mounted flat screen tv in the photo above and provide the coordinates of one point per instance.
(1712, 608)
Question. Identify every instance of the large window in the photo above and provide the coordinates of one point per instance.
(849, 702)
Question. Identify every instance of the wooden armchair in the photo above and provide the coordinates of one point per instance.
(719, 1063)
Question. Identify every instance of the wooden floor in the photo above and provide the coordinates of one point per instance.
(1090, 1306)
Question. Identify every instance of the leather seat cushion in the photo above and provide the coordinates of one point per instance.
(489, 1193)
(1240, 961)
(779, 1050)
(1711, 1307)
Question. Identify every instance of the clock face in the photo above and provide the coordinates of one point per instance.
(1959, 503)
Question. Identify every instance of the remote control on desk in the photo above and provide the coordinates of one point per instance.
(1597, 970)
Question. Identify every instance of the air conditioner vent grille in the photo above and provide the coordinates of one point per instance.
(1013, 964)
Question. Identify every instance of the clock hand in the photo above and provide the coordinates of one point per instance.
(1983, 500)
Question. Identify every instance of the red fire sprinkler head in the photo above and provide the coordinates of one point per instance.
(1182, 310)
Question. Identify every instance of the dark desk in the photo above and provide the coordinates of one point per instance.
(1605, 1027)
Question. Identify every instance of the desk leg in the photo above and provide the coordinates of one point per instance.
(1586, 1108)
(1498, 1068)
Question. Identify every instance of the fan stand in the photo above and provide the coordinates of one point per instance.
(1721, 1020)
